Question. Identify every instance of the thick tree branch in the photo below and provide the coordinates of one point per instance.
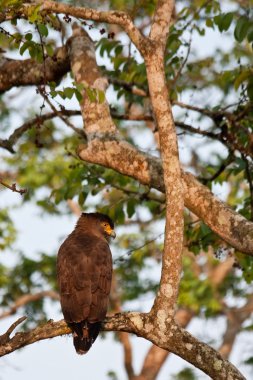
(166, 299)
(161, 21)
(111, 17)
(118, 322)
(29, 72)
(178, 341)
(21, 339)
(156, 356)
(203, 356)
(98, 121)
(74, 207)
(96, 114)
(126, 159)
(105, 148)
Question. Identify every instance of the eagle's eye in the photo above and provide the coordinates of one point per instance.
(109, 231)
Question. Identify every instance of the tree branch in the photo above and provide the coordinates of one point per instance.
(156, 356)
(13, 187)
(189, 128)
(126, 159)
(60, 114)
(164, 305)
(159, 326)
(6, 336)
(178, 342)
(161, 21)
(29, 72)
(9, 143)
(27, 298)
(111, 17)
(235, 319)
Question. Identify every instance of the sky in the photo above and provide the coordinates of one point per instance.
(55, 358)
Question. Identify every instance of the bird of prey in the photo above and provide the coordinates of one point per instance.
(84, 273)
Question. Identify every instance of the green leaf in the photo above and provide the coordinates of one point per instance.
(43, 30)
(79, 86)
(91, 93)
(78, 95)
(244, 75)
(53, 93)
(250, 34)
(24, 47)
(250, 89)
(226, 21)
(82, 197)
(14, 21)
(50, 50)
(209, 23)
(69, 92)
(28, 36)
(201, 31)
(223, 21)
(249, 361)
(241, 28)
(101, 96)
(33, 13)
(131, 204)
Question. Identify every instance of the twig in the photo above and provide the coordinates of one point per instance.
(221, 169)
(37, 120)
(132, 87)
(250, 181)
(147, 195)
(130, 251)
(13, 187)
(132, 117)
(204, 111)
(6, 336)
(184, 61)
(189, 128)
(59, 113)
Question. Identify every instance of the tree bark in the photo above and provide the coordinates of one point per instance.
(29, 72)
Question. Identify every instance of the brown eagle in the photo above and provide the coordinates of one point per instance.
(84, 273)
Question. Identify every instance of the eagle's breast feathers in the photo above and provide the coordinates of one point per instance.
(84, 273)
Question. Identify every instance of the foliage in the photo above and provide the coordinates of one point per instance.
(185, 374)
(7, 232)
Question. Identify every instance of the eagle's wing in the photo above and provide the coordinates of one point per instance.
(84, 272)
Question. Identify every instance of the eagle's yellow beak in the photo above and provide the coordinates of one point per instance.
(113, 234)
(110, 232)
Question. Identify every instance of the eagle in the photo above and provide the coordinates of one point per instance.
(84, 274)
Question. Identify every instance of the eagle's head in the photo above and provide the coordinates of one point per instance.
(100, 223)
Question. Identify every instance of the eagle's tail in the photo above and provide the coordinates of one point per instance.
(84, 335)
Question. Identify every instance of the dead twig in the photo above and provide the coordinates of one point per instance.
(13, 187)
